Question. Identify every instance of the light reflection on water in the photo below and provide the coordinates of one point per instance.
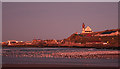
(57, 55)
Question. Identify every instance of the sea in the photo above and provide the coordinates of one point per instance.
(66, 56)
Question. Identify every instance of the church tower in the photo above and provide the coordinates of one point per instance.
(83, 28)
(87, 29)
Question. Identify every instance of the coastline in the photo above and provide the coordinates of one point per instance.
(66, 46)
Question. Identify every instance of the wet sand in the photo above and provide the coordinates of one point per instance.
(51, 66)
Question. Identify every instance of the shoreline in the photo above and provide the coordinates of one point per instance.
(55, 46)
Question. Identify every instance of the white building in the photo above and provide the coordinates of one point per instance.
(10, 42)
(87, 29)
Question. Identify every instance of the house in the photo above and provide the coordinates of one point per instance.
(52, 42)
(12, 42)
(28, 43)
(110, 33)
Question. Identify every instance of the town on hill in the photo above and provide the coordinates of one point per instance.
(88, 38)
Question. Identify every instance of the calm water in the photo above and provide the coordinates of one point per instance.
(75, 56)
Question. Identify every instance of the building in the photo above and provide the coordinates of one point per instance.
(87, 29)
(28, 43)
(14, 42)
(36, 41)
(52, 41)
(110, 33)
(11, 42)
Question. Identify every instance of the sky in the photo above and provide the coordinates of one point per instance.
(55, 20)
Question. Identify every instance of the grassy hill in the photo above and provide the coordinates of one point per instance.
(85, 37)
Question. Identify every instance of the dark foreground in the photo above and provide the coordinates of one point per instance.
(50, 66)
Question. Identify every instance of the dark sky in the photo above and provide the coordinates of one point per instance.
(24, 21)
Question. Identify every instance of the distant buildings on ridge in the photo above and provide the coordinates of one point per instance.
(86, 31)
